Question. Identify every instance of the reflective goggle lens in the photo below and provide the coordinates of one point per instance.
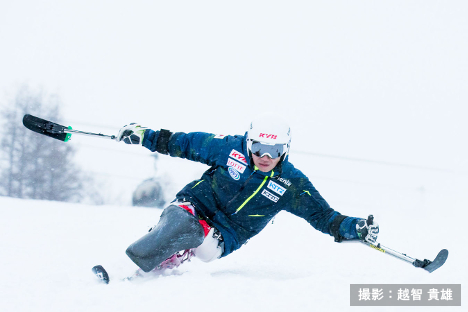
(274, 151)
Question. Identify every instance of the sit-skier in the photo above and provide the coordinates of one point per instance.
(249, 181)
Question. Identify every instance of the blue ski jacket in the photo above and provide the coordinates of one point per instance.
(238, 199)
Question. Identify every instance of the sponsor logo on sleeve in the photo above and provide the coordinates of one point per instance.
(219, 136)
(238, 156)
(234, 174)
(270, 196)
(275, 187)
(238, 166)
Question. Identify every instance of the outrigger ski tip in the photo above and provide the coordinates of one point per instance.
(431, 266)
(56, 131)
(46, 128)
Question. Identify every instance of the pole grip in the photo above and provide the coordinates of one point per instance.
(370, 220)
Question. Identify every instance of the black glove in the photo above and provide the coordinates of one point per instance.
(367, 230)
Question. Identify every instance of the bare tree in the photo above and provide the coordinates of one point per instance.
(36, 166)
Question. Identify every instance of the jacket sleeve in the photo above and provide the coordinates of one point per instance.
(308, 204)
(196, 146)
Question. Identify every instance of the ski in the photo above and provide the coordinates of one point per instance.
(101, 273)
(103, 276)
(170, 263)
(55, 130)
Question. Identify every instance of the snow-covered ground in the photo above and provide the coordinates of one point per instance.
(49, 248)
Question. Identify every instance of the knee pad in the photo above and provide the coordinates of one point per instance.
(210, 249)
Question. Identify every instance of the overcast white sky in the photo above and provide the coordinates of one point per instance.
(383, 80)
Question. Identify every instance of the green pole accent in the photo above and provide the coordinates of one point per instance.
(68, 136)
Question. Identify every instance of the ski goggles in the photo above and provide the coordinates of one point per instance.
(272, 150)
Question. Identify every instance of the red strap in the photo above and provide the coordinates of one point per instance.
(206, 227)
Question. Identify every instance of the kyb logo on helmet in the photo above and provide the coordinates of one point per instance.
(268, 136)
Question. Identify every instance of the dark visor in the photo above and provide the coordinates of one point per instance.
(274, 151)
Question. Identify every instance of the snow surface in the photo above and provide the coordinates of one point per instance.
(49, 248)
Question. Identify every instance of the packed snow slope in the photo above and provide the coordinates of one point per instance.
(49, 248)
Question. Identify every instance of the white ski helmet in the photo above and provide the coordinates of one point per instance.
(269, 135)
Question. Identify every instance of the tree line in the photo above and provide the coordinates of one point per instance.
(34, 166)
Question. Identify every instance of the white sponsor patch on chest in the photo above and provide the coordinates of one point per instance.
(238, 156)
(234, 164)
(270, 196)
(275, 187)
(234, 174)
(287, 182)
